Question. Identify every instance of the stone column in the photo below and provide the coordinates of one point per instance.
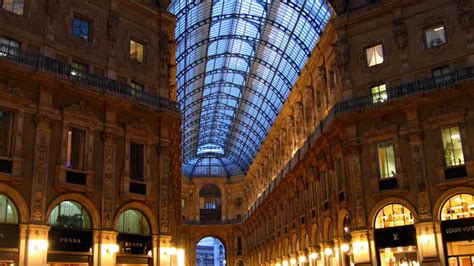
(427, 243)
(361, 247)
(107, 247)
(37, 245)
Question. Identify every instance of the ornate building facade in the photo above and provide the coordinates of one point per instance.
(90, 133)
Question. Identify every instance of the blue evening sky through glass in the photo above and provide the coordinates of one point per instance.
(237, 61)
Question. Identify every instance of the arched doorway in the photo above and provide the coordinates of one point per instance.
(457, 224)
(134, 239)
(9, 232)
(395, 236)
(70, 237)
(210, 203)
(210, 251)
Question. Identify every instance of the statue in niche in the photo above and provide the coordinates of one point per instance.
(464, 13)
(322, 76)
(401, 33)
(283, 148)
(309, 104)
(290, 123)
(341, 49)
(112, 27)
(299, 119)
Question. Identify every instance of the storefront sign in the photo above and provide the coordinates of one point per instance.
(9, 235)
(458, 230)
(134, 244)
(70, 240)
(399, 236)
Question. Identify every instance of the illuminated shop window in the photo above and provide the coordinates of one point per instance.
(435, 36)
(452, 147)
(69, 214)
(379, 93)
(374, 55)
(133, 222)
(14, 6)
(393, 215)
(454, 210)
(458, 207)
(137, 51)
(8, 212)
(386, 158)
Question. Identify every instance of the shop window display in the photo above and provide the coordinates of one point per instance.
(395, 236)
(457, 216)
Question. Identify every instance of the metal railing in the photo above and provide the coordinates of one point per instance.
(96, 82)
(418, 87)
(213, 222)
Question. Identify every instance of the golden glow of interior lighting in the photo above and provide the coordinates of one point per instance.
(328, 251)
(37, 245)
(425, 239)
(285, 263)
(292, 261)
(302, 259)
(150, 253)
(277, 264)
(181, 257)
(313, 255)
(345, 247)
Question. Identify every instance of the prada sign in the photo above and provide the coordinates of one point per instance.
(61, 239)
(458, 230)
(400, 236)
(9, 235)
(134, 244)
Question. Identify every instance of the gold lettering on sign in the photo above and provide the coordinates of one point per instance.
(69, 240)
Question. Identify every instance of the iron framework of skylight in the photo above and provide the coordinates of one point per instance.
(237, 61)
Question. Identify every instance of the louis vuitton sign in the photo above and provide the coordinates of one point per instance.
(61, 239)
(458, 230)
(400, 236)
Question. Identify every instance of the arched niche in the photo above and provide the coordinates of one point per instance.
(134, 238)
(210, 203)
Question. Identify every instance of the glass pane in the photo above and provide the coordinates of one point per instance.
(458, 207)
(6, 129)
(393, 215)
(136, 51)
(379, 93)
(399, 256)
(69, 214)
(137, 162)
(8, 212)
(435, 36)
(374, 55)
(386, 157)
(133, 222)
(452, 145)
(75, 149)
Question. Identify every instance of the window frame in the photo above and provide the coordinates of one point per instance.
(379, 173)
(144, 52)
(23, 9)
(12, 49)
(372, 46)
(144, 175)
(379, 98)
(90, 27)
(445, 164)
(434, 26)
(69, 147)
(10, 149)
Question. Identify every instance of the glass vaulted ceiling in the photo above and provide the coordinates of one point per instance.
(237, 61)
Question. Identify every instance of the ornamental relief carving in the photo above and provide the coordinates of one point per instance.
(40, 173)
(447, 113)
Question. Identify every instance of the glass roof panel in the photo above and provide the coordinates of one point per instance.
(237, 61)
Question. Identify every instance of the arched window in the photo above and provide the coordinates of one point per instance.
(210, 203)
(459, 206)
(133, 222)
(69, 214)
(393, 215)
(8, 212)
